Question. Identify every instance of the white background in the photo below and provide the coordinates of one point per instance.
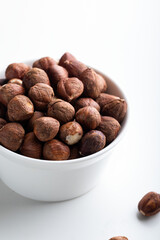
(122, 39)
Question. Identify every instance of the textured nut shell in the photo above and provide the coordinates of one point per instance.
(20, 108)
(9, 91)
(110, 127)
(34, 76)
(74, 152)
(92, 142)
(71, 133)
(41, 94)
(31, 146)
(102, 83)
(90, 81)
(61, 110)
(2, 122)
(16, 81)
(46, 128)
(66, 56)
(74, 67)
(31, 121)
(55, 150)
(44, 63)
(118, 238)
(84, 102)
(57, 73)
(88, 117)
(70, 89)
(16, 70)
(105, 98)
(11, 136)
(149, 204)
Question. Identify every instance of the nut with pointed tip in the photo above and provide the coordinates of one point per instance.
(57, 73)
(75, 68)
(11, 136)
(84, 102)
(44, 63)
(66, 56)
(118, 238)
(2, 122)
(16, 70)
(105, 98)
(150, 204)
(16, 81)
(102, 83)
(31, 121)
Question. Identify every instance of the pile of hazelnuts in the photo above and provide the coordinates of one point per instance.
(57, 110)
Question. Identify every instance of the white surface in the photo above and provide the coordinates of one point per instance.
(122, 39)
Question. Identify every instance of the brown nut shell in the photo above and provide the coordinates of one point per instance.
(105, 98)
(11, 136)
(149, 204)
(44, 63)
(46, 128)
(41, 94)
(70, 89)
(74, 67)
(55, 150)
(92, 142)
(102, 83)
(20, 108)
(88, 117)
(84, 102)
(57, 73)
(31, 121)
(16, 70)
(118, 238)
(66, 56)
(31, 146)
(16, 81)
(71, 132)
(2, 122)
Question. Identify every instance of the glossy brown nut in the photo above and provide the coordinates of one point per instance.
(74, 67)
(91, 83)
(55, 150)
(102, 83)
(11, 136)
(110, 127)
(149, 204)
(71, 132)
(2, 122)
(20, 108)
(92, 142)
(61, 110)
(88, 117)
(57, 73)
(31, 146)
(46, 128)
(16, 70)
(9, 91)
(118, 238)
(105, 98)
(84, 102)
(31, 121)
(44, 63)
(66, 56)
(74, 152)
(16, 81)
(34, 76)
(70, 89)
(41, 94)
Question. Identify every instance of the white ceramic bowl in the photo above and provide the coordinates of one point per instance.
(56, 180)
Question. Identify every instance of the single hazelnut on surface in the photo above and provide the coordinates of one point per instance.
(66, 56)
(41, 94)
(16, 70)
(2, 110)
(20, 108)
(105, 98)
(2, 122)
(34, 76)
(9, 91)
(11, 136)
(102, 83)
(71, 132)
(55, 150)
(16, 81)
(118, 238)
(46, 128)
(57, 73)
(88, 117)
(74, 67)
(110, 127)
(44, 63)
(91, 83)
(74, 152)
(31, 121)
(31, 146)
(61, 110)
(150, 204)
(70, 89)
(92, 142)
(84, 102)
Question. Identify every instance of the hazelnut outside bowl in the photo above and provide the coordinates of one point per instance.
(45, 180)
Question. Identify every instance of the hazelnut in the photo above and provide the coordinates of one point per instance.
(33, 76)
(2, 122)
(102, 83)
(74, 67)
(8, 91)
(92, 142)
(31, 121)
(70, 89)
(71, 132)
(3, 81)
(46, 128)
(118, 238)
(149, 204)
(61, 110)
(74, 152)
(16, 81)
(11, 136)
(57, 73)
(66, 56)
(110, 127)
(55, 150)
(2, 110)
(41, 94)
(84, 102)
(31, 146)
(16, 70)
(105, 98)
(20, 108)
(44, 63)
(91, 83)
(88, 117)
